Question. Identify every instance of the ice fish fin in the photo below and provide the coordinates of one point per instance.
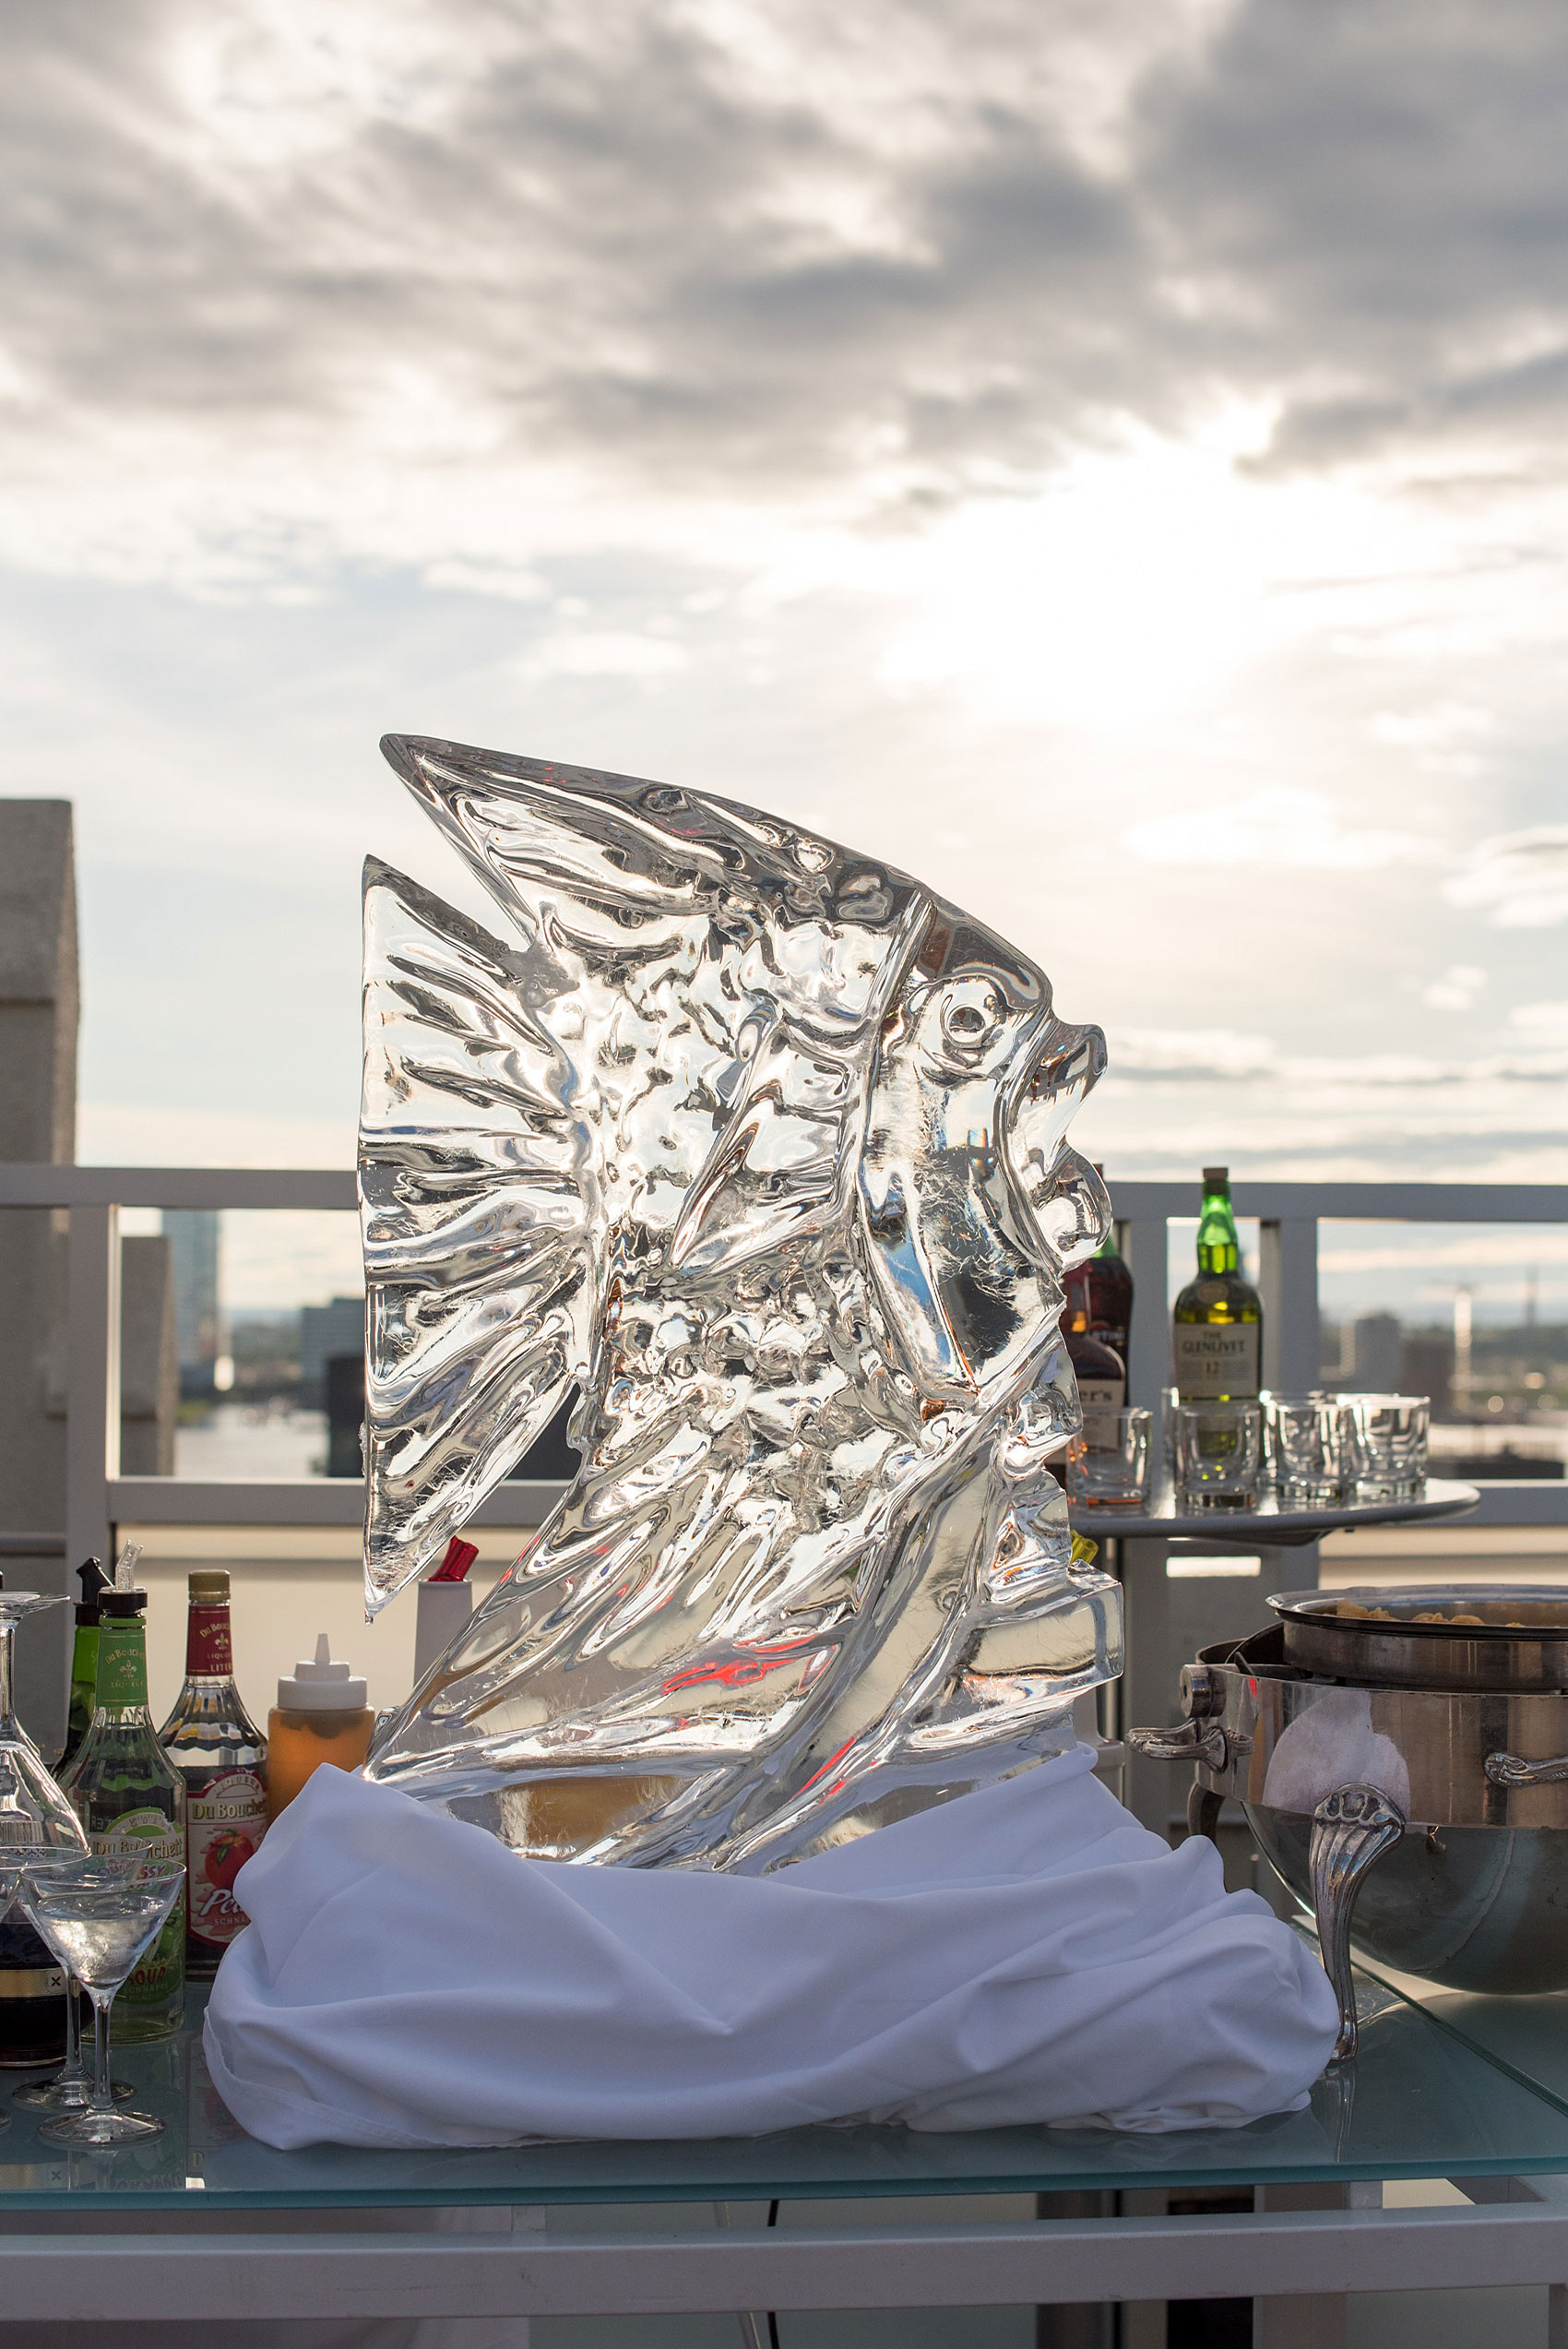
(477, 1199)
(727, 970)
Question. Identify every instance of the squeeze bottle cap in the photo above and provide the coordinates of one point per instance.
(319, 1685)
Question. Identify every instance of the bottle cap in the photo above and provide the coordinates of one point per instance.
(94, 1582)
(123, 1606)
(320, 1685)
(207, 1587)
(454, 1567)
(1216, 1178)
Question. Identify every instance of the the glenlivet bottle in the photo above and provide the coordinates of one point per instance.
(221, 1756)
(1216, 1335)
(132, 1802)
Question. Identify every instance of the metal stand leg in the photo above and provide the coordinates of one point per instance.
(1351, 1828)
(1204, 1806)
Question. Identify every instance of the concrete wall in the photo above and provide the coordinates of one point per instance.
(38, 1122)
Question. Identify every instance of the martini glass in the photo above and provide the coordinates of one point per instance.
(98, 1916)
(35, 1817)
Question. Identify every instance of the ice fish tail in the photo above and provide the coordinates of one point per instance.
(476, 1204)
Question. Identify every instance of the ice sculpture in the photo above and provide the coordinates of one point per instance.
(760, 1143)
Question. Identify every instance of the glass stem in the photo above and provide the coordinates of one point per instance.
(74, 2069)
(7, 1630)
(102, 2094)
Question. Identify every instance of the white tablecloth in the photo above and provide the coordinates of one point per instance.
(1026, 1953)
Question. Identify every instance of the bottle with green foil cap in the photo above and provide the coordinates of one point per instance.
(1217, 1324)
(84, 1658)
(132, 1802)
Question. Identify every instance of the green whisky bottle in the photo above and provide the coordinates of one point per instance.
(1216, 1335)
(84, 1658)
(132, 1802)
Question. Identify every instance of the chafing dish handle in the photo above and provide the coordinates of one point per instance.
(1511, 1770)
(1189, 1740)
(1351, 1828)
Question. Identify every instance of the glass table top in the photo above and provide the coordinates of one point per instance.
(1426, 2098)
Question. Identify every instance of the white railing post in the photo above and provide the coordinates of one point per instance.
(1287, 1284)
(1144, 1244)
(92, 1394)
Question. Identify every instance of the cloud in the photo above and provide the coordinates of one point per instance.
(1277, 826)
(1545, 1022)
(458, 281)
(1519, 878)
(601, 652)
(1457, 989)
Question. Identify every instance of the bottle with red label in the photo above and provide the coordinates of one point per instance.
(221, 1756)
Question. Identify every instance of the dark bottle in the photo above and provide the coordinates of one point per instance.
(1108, 1288)
(1100, 1370)
(33, 1987)
(1216, 1333)
(221, 1756)
(132, 1802)
(84, 1657)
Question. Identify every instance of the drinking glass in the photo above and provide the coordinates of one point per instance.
(1108, 1465)
(35, 1817)
(1303, 1449)
(1219, 1454)
(98, 1916)
(1385, 1439)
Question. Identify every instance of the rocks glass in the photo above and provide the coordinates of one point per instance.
(98, 1916)
(1384, 1443)
(1303, 1447)
(1219, 1454)
(1108, 1465)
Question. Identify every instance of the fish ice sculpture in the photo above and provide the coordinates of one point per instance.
(758, 1143)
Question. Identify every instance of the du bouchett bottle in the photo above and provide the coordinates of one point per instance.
(221, 1756)
(1217, 1327)
(132, 1802)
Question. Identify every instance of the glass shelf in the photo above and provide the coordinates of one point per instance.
(1269, 1523)
(1425, 2100)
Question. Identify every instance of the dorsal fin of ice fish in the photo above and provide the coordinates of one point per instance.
(666, 1066)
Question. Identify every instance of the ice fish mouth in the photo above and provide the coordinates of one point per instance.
(1067, 1205)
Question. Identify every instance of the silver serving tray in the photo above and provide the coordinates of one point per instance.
(1519, 1645)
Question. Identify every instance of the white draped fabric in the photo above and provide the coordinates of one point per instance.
(1025, 1953)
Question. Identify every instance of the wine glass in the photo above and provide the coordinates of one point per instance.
(98, 1917)
(35, 1817)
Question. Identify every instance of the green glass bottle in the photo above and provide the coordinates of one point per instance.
(1217, 1336)
(84, 1658)
(131, 1801)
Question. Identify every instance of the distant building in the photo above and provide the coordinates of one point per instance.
(1426, 1367)
(194, 1249)
(325, 1331)
(1375, 1345)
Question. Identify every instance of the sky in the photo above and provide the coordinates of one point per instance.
(1107, 458)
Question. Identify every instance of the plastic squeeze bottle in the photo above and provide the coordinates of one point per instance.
(320, 1716)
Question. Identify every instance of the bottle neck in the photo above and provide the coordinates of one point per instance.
(209, 1654)
(1220, 1250)
(1108, 1245)
(121, 1694)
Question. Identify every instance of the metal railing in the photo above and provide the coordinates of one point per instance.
(98, 1499)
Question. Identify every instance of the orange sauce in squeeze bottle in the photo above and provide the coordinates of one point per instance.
(320, 1716)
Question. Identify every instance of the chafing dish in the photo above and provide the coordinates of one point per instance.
(1406, 1780)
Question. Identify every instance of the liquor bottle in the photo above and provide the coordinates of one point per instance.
(33, 1984)
(1100, 1371)
(84, 1657)
(1107, 1285)
(221, 1756)
(131, 1800)
(1217, 1324)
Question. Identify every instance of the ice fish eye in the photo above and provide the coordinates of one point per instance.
(973, 1013)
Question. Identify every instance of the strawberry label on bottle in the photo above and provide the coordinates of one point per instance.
(224, 1825)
